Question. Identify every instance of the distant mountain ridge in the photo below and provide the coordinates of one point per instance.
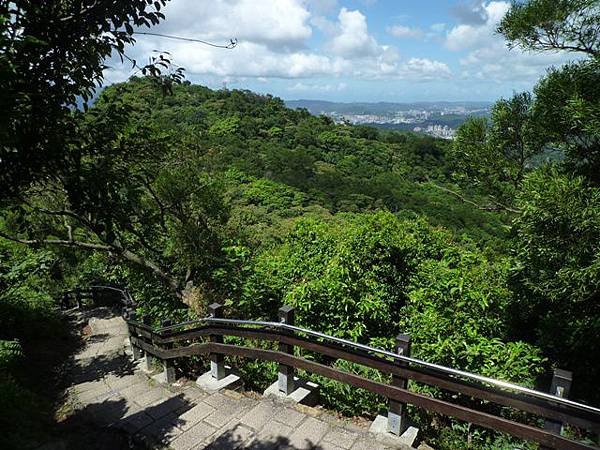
(324, 106)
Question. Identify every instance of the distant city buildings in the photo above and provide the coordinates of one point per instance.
(423, 119)
(438, 119)
(439, 131)
(399, 117)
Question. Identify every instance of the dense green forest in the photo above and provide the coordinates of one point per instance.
(486, 250)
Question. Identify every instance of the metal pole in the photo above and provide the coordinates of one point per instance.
(397, 410)
(285, 377)
(168, 364)
(217, 361)
(560, 387)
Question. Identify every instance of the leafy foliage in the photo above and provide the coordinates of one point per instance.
(497, 155)
(558, 235)
(367, 277)
(570, 25)
(568, 106)
(188, 194)
(52, 54)
(28, 317)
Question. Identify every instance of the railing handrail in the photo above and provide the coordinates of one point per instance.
(433, 366)
(125, 294)
(556, 409)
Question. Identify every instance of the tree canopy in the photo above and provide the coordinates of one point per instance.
(570, 25)
(486, 249)
(52, 54)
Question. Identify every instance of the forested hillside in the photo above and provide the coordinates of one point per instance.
(485, 250)
(228, 196)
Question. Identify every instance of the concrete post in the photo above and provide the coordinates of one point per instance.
(397, 422)
(147, 366)
(136, 351)
(78, 297)
(285, 377)
(217, 361)
(168, 366)
(560, 386)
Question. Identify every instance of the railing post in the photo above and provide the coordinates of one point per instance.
(127, 297)
(560, 386)
(397, 422)
(168, 365)
(148, 357)
(135, 350)
(285, 377)
(78, 297)
(217, 361)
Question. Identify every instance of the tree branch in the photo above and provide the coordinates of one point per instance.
(154, 268)
(126, 254)
(62, 212)
(61, 242)
(497, 206)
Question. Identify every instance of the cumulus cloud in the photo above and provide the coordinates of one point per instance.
(278, 25)
(273, 42)
(471, 13)
(300, 87)
(467, 36)
(353, 39)
(402, 31)
(425, 69)
(487, 56)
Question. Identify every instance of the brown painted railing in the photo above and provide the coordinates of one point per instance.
(97, 296)
(205, 337)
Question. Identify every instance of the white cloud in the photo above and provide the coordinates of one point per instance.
(425, 69)
(353, 39)
(469, 36)
(401, 31)
(487, 55)
(251, 60)
(313, 87)
(278, 25)
(273, 42)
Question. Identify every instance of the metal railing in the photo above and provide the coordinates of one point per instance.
(438, 367)
(75, 297)
(206, 337)
(198, 338)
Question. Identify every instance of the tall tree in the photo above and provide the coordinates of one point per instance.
(129, 192)
(571, 25)
(497, 154)
(557, 232)
(53, 53)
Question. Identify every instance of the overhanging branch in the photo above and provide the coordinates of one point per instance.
(497, 206)
(123, 252)
(61, 242)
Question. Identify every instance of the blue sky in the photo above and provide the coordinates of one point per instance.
(347, 50)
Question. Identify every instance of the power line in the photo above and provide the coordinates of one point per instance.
(232, 43)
